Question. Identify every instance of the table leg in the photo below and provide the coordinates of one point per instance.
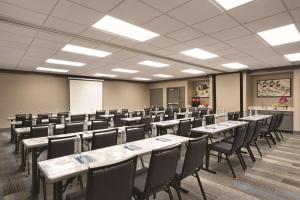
(207, 160)
(23, 161)
(11, 133)
(35, 181)
(158, 130)
(57, 191)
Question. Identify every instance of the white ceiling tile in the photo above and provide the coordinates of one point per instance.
(62, 25)
(75, 13)
(83, 43)
(249, 39)
(17, 30)
(218, 46)
(28, 61)
(38, 52)
(21, 13)
(202, 41)
(231, 33)
(53, 37)
(292, 3)
(289, 48)
(296, 14)
(185, 34)
(124, 42)
(161, 42)
(163, 52)
(101, 5)
(270, 22)
(42, 6)
(97, 34)
(178, 48)
(195, 11)
(15, 37)
(63, 55)
(235, 55)
(146, 47)
(47, 44)
(164, 5)
(134, 11)
(12, 44)
(12, 51)
(256, 10)
(163, 24)
(215, 24)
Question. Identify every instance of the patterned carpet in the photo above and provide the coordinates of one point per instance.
(275, 177)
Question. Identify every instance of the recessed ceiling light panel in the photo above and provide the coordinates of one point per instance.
(65, 62)
(293, 57)
(163, 75)
(105, 75)
(199, 53)
(193, 71)
(51, 69)
(153, 64)
(85, 51)
(281, 35)
(125, 29)
(229, 4)
(142, 79)
(235, 65)
(129, 71)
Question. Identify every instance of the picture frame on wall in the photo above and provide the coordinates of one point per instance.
(274, 88)
(202, 90)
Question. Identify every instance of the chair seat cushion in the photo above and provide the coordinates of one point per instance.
(223, 147)
(264, 130)
(140, 180)
(229, 140)
(76, 195)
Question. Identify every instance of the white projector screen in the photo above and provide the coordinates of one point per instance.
(85, 96)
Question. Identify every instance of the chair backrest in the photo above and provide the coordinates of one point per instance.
(230, 116)
(196, 114)
(147, 111)
(281, 119)
(74, 127)
(156, 118)
(272, 122)
(134, 114)
(135, 133)
(102, 139)
(55, 120)
(160, 108)
(78, 118)
(60, 146)
(21, 117)
(249, 133)
(146, 121)
(236, 116)
(194, 155)
(162, 168)
(99, 113)
(278, 121)
(212, 111)
(175, 110)
(26, 122)
(203, 112)
(38, 131)
(238, 138)
(168, 117)
(184, 128)
(259, 124)
(44, 115)
(182, 110)
(113, 112)
(117, 120)
(97, 125)
(65, 114)
(197, 122)
(111, 182)
(210, 119)
(124, 111)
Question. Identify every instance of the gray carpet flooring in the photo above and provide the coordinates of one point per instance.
(274, 177)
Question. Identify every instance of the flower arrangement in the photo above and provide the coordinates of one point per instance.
(282, 100)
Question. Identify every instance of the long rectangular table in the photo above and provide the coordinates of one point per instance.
(255, 118)
(34, 144)
(58, 169)
(167, 124)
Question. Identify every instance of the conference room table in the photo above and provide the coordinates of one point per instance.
(168, 124)
(216, 128)
(254, 118)
(36, 144)
(59, 169)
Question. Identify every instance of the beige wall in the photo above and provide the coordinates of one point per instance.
(296, 96)
(122, 94)
(228, 92)
(171, 84)
(269, 101)
(31, 93)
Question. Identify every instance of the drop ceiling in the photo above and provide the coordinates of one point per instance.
(32, 31)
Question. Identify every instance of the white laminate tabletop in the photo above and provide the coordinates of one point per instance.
(64, 167)
(255, 117)
(218, 127)
(131, 119)
(107, 115)
(170, 122)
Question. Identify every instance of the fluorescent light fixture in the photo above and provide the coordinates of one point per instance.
(129, 71)
(51, 69)
(281, 35)
(153, 64)
(85, 51)
(65, 62)
(235, 65)
(105, 75)
(193, 71)
(199, 53)
(142, 79)
(163, 75)
(229, 4)
(125, 29)
(293, 57)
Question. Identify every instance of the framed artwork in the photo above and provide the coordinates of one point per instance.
(274, 88)
(202, 90)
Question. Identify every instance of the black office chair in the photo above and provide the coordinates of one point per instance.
(65, 114)
(229, 148)
(21, 117)
(184, 128)
(146, 121)
(55, 120)
(97, 125)
(74, 127)
(106, 138)
(191, 164)
(210, 119)
(175, 110)
(236, 116)
(99, 114)
(159, 175)
(147, 111)
(182, 110)
(168, 117)
(258, 127)
(281, 116)
(44, 115)
(197, 122)
(124, 111)
(134, 114)
(113, 112)
(161, 108)
(266, 130)
(230, 116)
(26, 122)
(111, 182)
(156, 118)
(135, 133)
(196, 114)
(203, 112)
(117, 120)
(276, 126)
(78, 118)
